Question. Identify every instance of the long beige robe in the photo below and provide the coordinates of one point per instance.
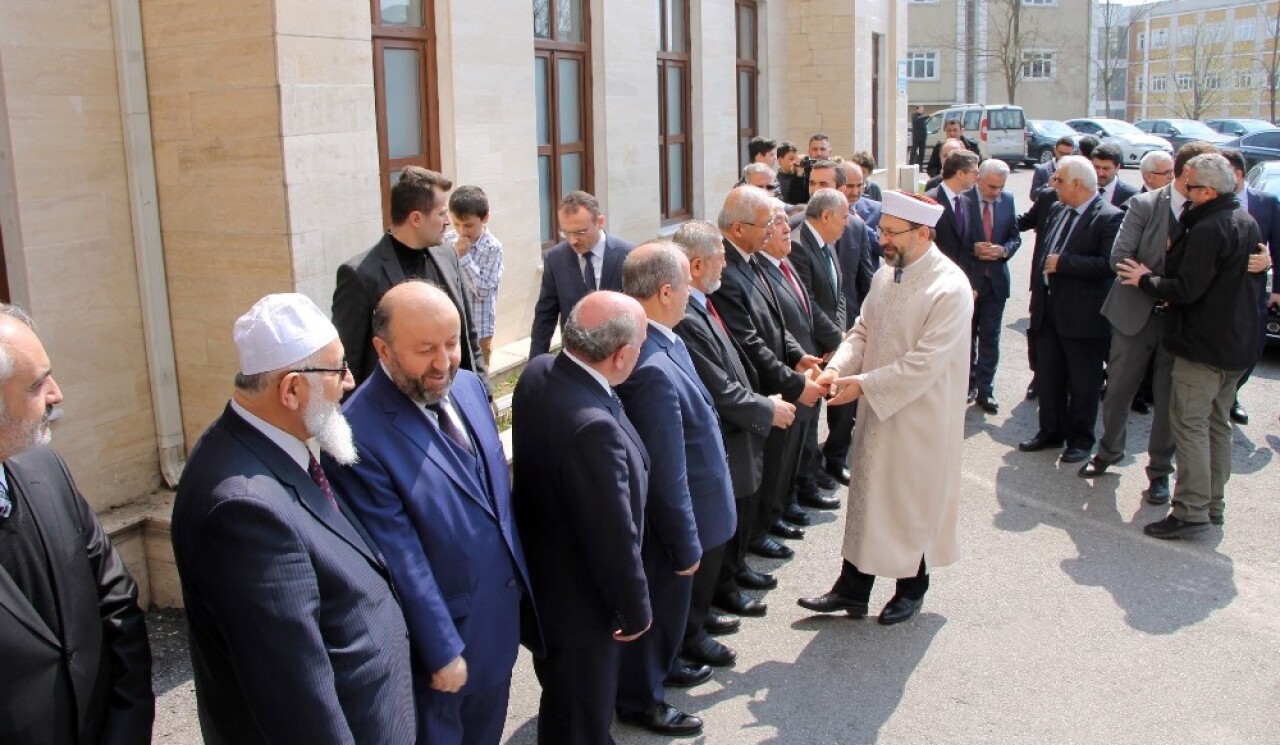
(910, 351)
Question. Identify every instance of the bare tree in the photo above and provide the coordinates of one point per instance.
(1270, 60)
(1197, 61)
(1111, 60)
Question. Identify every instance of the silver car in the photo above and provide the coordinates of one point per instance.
(1133, 142)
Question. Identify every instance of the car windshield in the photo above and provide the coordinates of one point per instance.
(1050, 128)
(1117, 127)
(1254, 125)
(1192, 127)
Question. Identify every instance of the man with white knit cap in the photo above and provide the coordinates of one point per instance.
(296, 634)
(906, 361)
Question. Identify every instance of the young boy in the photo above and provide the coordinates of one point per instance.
(479, 256)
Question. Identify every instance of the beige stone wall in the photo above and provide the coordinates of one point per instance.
(715, 112)
(68, 238)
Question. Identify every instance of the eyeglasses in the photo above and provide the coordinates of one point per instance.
(892, 233)
(768, 187)
(567, 234)
(1193, 187)
(1161, 173)
(331, 370)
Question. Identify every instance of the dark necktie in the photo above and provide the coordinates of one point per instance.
(786, 270)
(322, 481)
(959, 217)
(760, 275)
(450, 428)
(589, 272)
(1059, 238)
(831, 266)
(711, 309)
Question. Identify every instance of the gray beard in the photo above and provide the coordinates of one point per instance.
(326, 424)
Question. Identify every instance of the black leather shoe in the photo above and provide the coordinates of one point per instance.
(1074, 455)
(989, 403)
(780, 529)
(838, 471)
(770, 549)
(1217, 520)
(832, 603)
(824, 480)
(1040, 442)
(1172, 527)
(1158, 490)
(1238, 414)
(740, 604)
(819, 502)
(1032, 393)
(796, 516)
(664, 719)
(899, 609)
(972, 397)
(753, 580)
(708, 651)
(687, 676)
(719, 624)
(1140, 406)
(1096, 466)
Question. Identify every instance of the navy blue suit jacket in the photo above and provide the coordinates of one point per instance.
(563, 286)
(1121, 195)
(295, 632)
(1264, 208)
(442, 519)
(1004, 231)
(957, 246)
(690, 504)
(1084, 276)
(581, 477)
(869, 210)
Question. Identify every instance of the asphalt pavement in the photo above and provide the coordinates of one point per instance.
(1062, 622)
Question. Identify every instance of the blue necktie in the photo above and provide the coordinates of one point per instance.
(959, 217)
(589, 272)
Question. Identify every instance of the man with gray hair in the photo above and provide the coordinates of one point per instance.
(996, 241)
(1156, 168)
(760, 176)
(1072, 266)
(289, 603)
(1211, 333)
(580, 479)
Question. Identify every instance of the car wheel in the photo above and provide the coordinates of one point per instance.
(1046, 155)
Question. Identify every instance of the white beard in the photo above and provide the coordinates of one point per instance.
(324, 420)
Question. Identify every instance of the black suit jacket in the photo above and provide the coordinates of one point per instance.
(1121, 194)
(829, 306)
(1037, 219)
(563, 286)
(745, 416)
(748, 308)
(364, 279)
(581, 475)
(797, 313)
(1075, 292)
(958, 247)
(296, 634)
(935, 156)
(92, 684)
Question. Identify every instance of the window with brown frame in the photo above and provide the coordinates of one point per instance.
(404, 83)
(675, 143)
(562, 89)
(748, 77)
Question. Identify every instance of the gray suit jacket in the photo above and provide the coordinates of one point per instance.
(1144, 237)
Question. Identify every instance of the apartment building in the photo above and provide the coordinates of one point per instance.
(1197, 59)
(164, 164)
(1109, 59)
(1033, 53)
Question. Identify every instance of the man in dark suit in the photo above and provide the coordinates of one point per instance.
(745, 418)
(1066, 145)
(952, 130)
(432, 488)
(690, 506)
(1037, 219)
(956, 229)
(586, 259)
(409, 250)
(580, 481)
(295, 631)
(919, 134)
(996, 241)
(1108, 159)
(1066, 299)
(77, 667)
(855, 191)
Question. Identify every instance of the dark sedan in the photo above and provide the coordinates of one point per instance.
(1260, 147)
(1181, 131)
(1042, 135)
(1240, 127)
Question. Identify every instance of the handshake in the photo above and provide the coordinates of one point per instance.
(821, 383)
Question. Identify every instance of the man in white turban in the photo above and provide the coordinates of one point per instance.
(906, 360)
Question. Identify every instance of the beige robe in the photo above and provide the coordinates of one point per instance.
(910, 352)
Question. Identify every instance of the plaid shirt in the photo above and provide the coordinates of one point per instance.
(481, 273)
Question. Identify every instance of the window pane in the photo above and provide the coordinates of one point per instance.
(570, 172)
(677, 21)
(542, 19)
(569, 20)
(545, 201)
(675, 100)
(404, 102)
(675, 178)
(402, 13)
(569, 93)
(743, 152)
(746, 32)
(745, 114)
(541, 99)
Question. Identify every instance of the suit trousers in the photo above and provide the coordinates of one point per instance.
(470, 718)
(840, 422)
(735, 550)
(701, 593)
(579, 688)
(782, 450)
(856, 585)
(988, 313)
(647, 660)
(810, 460)
(1069, 376)
(1200, 404)
(1127, 365)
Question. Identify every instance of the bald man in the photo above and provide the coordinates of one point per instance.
(431, 487)
(580, 481)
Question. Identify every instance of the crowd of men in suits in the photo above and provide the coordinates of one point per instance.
(366, 571)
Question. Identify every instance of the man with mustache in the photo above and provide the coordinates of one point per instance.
(295, 632)
(77, 667)
(431, 486)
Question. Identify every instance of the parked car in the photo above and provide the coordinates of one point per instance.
(1133, 142)
(1259, 147)
(1239, 127)
(1181, 131)
(1042, 135)
(998, 130)
(1266, 177)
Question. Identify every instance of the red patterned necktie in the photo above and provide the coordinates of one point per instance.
(322, 481)
(712, 310)
(786, 269)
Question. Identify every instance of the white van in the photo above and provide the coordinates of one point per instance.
(999, 130)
